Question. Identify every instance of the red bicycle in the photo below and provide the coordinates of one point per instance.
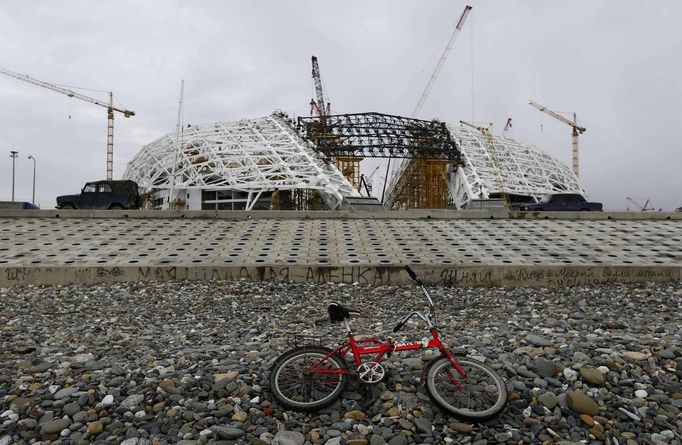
(308, 378)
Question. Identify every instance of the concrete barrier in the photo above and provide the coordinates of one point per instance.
(447, 248)
(465, 276)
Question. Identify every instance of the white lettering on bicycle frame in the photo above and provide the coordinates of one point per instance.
(424, 343)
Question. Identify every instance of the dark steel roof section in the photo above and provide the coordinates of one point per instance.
(377, 135)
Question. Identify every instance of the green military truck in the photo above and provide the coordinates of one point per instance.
(111, 195)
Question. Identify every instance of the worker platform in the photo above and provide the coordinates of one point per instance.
(447, 248)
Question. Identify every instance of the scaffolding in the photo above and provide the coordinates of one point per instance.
(424, 185)
(426, 144)
(349, 166)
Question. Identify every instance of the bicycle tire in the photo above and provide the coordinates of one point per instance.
(483, 392)
(293, 390)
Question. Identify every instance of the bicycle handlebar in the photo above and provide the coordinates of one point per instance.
(413, 275)
(419, 283)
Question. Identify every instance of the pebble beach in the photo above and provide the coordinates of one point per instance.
(187, 362)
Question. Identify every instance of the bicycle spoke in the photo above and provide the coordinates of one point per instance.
(478, 391)
(299, 382)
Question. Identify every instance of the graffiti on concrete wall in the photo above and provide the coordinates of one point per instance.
(364, 275)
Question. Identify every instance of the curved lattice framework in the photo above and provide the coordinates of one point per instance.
(377, 135)
(523, 169)
(251, 156)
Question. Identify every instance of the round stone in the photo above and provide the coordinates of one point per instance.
(580, 403)
(55, 426)
(592, 375)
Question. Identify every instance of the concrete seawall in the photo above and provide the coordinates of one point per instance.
(446, 248)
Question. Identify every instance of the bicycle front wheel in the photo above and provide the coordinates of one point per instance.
(482, 393)
(297, 386)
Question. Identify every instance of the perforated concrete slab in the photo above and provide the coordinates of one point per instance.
(445, 249)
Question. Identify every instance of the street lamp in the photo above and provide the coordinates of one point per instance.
(13, 155)
(31, 157)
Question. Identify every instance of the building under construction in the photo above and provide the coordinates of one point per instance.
(277, 163)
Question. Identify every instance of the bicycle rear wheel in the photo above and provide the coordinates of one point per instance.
(483, 393)
(296, 387)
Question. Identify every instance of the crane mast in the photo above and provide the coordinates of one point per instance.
(436, 71)
(108, 105)
(322, 108)
(577, 130)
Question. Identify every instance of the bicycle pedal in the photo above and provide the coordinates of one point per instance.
(371, 372)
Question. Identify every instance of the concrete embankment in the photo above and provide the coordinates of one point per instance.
(446, 248)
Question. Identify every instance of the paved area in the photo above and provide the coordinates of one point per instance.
(286, 247)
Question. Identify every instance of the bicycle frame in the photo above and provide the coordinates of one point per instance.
(312, 376)
(374, 346)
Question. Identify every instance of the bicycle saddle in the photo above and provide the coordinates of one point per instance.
(339, 313)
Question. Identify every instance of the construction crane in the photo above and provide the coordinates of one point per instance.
(402, 166)
(507, 127)
(642, 208)
(577, 130)
(109, 106)
(436, 71)
(367, 180)
(322, 108)
(349, 166)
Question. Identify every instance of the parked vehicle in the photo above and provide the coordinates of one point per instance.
(569, 202)
(103, 195)
(17, 205)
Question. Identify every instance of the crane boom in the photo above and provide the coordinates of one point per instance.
(577, 130)
(66, 91)
(642, 208)
(109, 106)
(440, 63)
(323, 108)
(557, 116)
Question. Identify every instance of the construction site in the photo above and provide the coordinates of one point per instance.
(209, 287)
(314, 178)
(319, 162)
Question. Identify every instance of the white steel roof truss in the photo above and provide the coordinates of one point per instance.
(252, 156)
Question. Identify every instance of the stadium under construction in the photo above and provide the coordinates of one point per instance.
(313, 164)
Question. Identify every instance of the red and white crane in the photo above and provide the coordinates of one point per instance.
(440, 63)
(109, 106)
(577, 130)
(321, 108)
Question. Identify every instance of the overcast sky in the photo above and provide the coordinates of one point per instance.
(618, 64)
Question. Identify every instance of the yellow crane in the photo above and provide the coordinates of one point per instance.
(577, 130)
(109, 106)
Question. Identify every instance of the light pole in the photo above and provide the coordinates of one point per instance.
(31, 157)
(13, 155)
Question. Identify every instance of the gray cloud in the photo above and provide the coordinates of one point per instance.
(617, 64)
